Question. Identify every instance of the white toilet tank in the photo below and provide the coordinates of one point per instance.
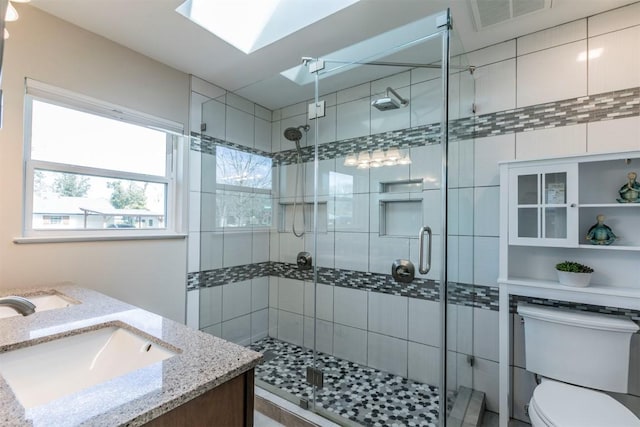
(582, 348)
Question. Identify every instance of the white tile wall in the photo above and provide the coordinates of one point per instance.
(193, 259)
(424, 363)
(350, 307)
(460, 259)
(240, 127)
(193, 309)
(353, 119)
(207, 203)
(488, 152)
(195, 159)
(486, 219)
(238, 330)
(614, 60)
(262, 134)
(615, 19)
(214, 115)
(485, 334)
(291, 295)
(260, 246)
(208, 173)
(236, 299)
(352, 251)
(538, 74)
(485, 261)
(324, 342)
(235, 248)
(424, 322)
(555, 36)
(259, 293)
(350, 343)
(388, 314)
(461, 163)
(210, 306)
(495, 87)
(485, 378)
(259, 325)
(460, 328)
(426, 102)
(215, 330)
(387, 353)
(325, 254)
(359, 177)
(210, 250)
(324, 294)
(554, 142)
(383, 250)
(495, 53)
(290, 327)
(325, 170)
(427, 165)
(614, 135)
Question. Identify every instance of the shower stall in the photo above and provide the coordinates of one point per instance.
(339, 240)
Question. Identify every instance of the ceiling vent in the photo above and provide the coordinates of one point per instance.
(487, 13)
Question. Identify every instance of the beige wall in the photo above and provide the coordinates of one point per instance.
(151, 273)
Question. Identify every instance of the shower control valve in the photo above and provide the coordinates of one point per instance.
(403, 271)
(304, 261)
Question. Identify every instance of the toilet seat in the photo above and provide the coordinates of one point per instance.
(557, 404)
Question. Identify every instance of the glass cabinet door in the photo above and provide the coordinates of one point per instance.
(543, 205)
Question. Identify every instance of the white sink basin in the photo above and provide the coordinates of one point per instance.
(47, 371)
(42, 302)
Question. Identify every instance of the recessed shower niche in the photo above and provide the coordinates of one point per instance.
(400, 210)
(287, 217)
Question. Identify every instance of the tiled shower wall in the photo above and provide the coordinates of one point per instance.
(582, 81)
(541, 95)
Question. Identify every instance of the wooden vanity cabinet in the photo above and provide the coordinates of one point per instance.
(228, 405)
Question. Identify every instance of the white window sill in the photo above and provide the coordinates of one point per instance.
(68, 239)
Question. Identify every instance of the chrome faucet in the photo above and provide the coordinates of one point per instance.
(19, 304)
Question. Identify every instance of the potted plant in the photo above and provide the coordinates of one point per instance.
(574, 274)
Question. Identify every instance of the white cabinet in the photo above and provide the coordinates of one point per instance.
(554, 202)
(543, 201)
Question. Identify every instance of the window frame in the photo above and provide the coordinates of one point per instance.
(38, 91)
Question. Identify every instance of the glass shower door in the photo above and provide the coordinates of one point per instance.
(383, 171)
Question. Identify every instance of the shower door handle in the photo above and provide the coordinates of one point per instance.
(424, 269)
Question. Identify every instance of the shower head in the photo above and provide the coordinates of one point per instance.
(294, 134)
(388, 103)
(384, 104)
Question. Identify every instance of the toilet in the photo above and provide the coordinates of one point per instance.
(576, 352)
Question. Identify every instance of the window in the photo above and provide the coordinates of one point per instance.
(94, 169)
(243, 189)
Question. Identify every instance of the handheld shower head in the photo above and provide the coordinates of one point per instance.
(294, 134)
(388, 103)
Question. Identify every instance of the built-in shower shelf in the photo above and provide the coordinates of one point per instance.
(286, 211)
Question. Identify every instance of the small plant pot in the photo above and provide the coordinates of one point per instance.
(578, 280)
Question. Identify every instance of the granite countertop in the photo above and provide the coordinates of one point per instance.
(202, 363)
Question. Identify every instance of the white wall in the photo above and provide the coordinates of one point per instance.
(150, 274)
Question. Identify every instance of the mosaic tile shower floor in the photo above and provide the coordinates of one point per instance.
(361, 394)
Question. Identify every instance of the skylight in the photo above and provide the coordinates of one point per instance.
(250, 25)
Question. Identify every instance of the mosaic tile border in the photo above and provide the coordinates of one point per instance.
(459, 293)
(585, 109)
(625, 312)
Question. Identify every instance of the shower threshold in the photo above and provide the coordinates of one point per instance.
(360, 394)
